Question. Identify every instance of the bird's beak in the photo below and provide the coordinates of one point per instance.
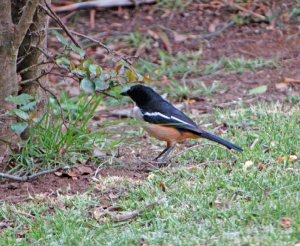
(124, 93)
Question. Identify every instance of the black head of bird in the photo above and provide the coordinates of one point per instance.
(141, 94)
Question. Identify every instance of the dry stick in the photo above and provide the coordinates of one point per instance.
(54, 16)
(32, 177)
(101, 4)
(133, 214)
(33, 66)
(218, 32)
(235, 5)
(254, 143)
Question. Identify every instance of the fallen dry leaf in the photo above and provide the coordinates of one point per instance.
(291, 81)
(286, 223)
(247, 165)
(100, 214)
(6, 224)
(130, 215)
(293, 158)
(74, 172)
(218, 203)
(153, 34)
(166, 42)
(281, 159)
(261, 167)
(85, 170)
(163, 187)
(281, 86)
(98, 153)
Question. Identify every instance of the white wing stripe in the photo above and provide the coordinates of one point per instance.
(158, 114)
(175, 118)
(167, 117)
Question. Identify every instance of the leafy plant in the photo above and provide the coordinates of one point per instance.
(93, 78)
(61, 139)
(25, 106)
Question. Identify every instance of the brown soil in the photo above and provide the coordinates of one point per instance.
(250, 41)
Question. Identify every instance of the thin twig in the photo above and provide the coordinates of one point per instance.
(239, 7)
(54, 16)
(254, 143)
(33, 66)
(27, 81)
(109, 50)
(218, 32)
(56, 99)
(32, 177)
(133, 214)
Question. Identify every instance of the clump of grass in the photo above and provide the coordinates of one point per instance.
(238, 65)
(173, 5)
(138, 40)
(194, 89)
(53, 142)
(171, 66)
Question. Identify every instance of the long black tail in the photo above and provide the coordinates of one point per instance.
(219, 140)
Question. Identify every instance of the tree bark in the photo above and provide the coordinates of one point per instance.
(23, 31)
(8, 75)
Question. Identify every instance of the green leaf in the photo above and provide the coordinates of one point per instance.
(87, 85)
(29, 106)
(19, 127)
(22, 99)
(132, 76)
(87, 62)
(63, 61)
(258, 90)
(21, 114)
(60, 38)
(95, 69)
(77, 50)
(79, 72)
(100, 84)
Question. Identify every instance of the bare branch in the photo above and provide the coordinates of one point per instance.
(109, 50)
(101, 4)
(34, 65)
(32, 177)
(54, 16)
(25, 21)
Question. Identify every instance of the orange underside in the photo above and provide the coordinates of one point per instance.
(169, 134)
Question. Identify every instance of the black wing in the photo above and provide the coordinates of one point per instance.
(163, 113)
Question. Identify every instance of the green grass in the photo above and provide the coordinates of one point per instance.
(238, 65)
(52, 144)
(173, 5)
(217, 204)
(193, 89)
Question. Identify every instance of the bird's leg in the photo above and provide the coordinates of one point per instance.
(165, 152)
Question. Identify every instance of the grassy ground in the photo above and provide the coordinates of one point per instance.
(254, 200)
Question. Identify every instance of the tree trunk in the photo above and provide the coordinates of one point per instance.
(23, 31)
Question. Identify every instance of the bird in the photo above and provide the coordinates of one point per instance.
(165, 122)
